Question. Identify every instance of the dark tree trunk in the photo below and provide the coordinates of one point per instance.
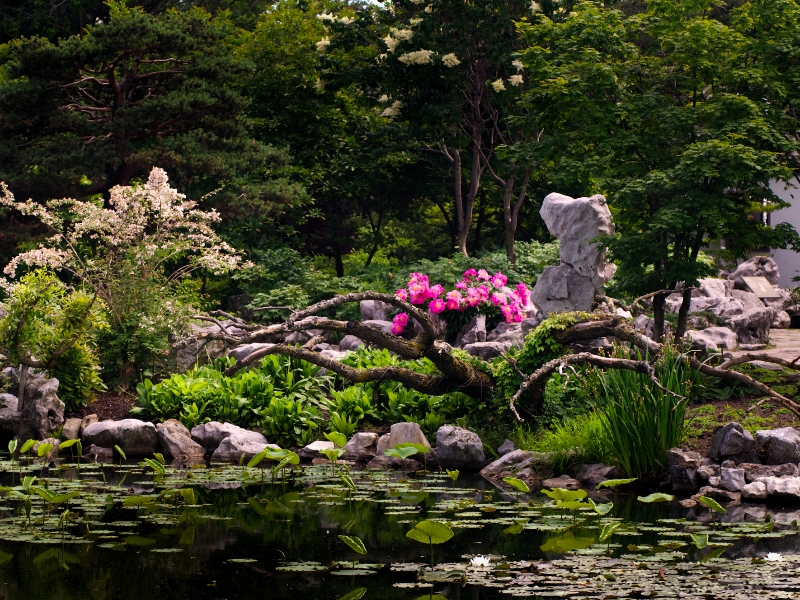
(683, 314)
(658, 316)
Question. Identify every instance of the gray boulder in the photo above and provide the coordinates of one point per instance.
(516, 464)
(712, 338)
(713, 288)
(9, 401)
(384, 326)
(198, 352)
(506, 447)
(374, 310)
(754, 472)
(473, 331)
(210, 435)
(459, 448)
(88, 420)
(487, 350)
(382, 445)
(99, 454)
(234, 446)
(561, 289)
(683, 466)
(51, 454)
(753, 326)
(392, 462)
(401, 433)
(564, 482)
(510, 333)
(781, 445)
(176, 441)
(314, 449)
(349, 343)
(42, 409)
(71, 429)
(756, 490)
(748, 299)
(530, 323)
(781, 320)
(301, 337)
(730, 440)
(136, 438)
(685, 459)
(590, 475)
(732, 479)
(758, 266)
(784, 488)
(361, 447)
(245, 350)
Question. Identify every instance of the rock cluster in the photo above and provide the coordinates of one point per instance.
(740, 467)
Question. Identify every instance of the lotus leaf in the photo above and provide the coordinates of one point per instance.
(615, 482)
(564, 495)
(712, 504)
(355, 543)
(430, 532)
(608, 530)
(517, 484)
(338, 439)
(656, 497)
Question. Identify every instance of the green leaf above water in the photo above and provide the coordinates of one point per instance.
(564, 495)
(355, 543)
(608, 530)
(601, 509)
(700, 540)
(430, 532)
(338, 439)
(608, 483)
(402, 453)
(355, 594)
(517, 484)
(712, 504)
(656, 497)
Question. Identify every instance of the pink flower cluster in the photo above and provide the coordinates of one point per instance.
(475, 289)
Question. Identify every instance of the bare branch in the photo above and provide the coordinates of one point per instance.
(745, 358)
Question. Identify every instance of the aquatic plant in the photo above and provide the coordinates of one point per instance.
(430, 532)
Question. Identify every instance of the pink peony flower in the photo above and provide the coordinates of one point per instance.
(401, 319)
(483, 275)
(397, 329)
(462, 285)
(483, 292)
(454, 299)
(499, 280)
(437, 306)
(435, 291)
(470, 273)
(499, 299)
(402, 294)
(473, 297)
(418, 292)
(523, 293)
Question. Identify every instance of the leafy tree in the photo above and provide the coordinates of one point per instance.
(89, 112)
(667, 113)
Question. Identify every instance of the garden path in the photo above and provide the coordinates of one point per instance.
(785, 342)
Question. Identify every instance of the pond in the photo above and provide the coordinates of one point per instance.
(124, 532)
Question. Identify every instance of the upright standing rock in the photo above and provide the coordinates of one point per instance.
(583, 271)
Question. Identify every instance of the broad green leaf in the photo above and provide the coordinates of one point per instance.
(566, 543)
(68, 444)
(430, 532)
(561, 494)
(453, 474)
(43, 449)
(355, 543)
(333, 454)
(700, 540)
(403, 453)
(188, 495)
(608, 530)
(516, 528)
(256, 460)
(338, 439)
(712, 504)
(573, 504)
(656, 497)
(160, 458)
(12, 446)
(355, 594)
(601, 509)
(517, 484)
(27, 446)
(348, 481)
(421, 448)
(155, 465)
(615, 482)
(121, 453)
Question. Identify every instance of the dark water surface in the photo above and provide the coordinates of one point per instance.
(213, 534)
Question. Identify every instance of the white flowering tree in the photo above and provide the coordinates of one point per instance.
(132, 256)
(448, 68)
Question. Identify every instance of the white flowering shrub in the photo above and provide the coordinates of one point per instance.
(133, 255)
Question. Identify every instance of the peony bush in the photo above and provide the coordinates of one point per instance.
(477, 293)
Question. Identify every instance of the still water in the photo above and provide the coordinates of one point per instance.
(127, 533)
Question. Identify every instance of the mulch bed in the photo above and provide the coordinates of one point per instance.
(107, 406)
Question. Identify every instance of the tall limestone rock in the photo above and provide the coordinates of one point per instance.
(584, 270)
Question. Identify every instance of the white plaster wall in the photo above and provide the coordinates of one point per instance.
(788, 260)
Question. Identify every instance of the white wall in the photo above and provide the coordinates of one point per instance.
(788, 260)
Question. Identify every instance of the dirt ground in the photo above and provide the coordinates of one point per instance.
(107, 406)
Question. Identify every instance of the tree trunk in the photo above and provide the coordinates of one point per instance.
(22, 374)
(683, 314)
(337, 257)
(511, 214)
(658, 316)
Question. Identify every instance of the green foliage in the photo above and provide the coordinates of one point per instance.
(282, 395)
(580, 439)
(355, 402)
(52, 325)
(641, 422)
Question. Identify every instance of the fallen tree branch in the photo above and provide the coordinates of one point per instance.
(746, 358)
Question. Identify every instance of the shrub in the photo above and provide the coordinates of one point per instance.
(134, 256)
(290, 422)
(52, 327)
(640, 421)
